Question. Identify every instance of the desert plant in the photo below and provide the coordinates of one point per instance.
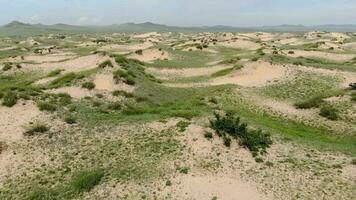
(88, 85)
(208, 135)
(46, 106)
(70, 119)
(130, 81)
(36, 128)
(229, 125)
(114, 106)
(182, 125)
(85, 180)
(106, 63)
(314, 102)
(352, 86)
(9, 99)
(7, 66)
(329, 112)
(54, 73)
(139, 52)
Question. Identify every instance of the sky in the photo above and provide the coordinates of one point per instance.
(180, 12)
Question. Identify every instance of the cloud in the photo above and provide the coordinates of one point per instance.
(35, 18)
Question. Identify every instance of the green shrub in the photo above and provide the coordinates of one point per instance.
(86, 180)
(314, 102)
(46, 106)
(353, 96)
(183, 170)
(352, 86)
(54, 73)
(329, 112)
(88, 85)
(36, 128)
(139, 52)
(64, 99)
(114, 106)
(130, 81)
(182, 125)
(7, 67)
(9, 99)
(122, 93)
(63, 80)
(70, 119)
(106, 63)
(229, 125)
(208, 135)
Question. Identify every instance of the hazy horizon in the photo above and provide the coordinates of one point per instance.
(180, 13)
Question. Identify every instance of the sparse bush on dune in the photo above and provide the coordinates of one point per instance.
(46, 106)
(54, 73)
(329, 112)
(106, 63)
(139, 52)
(314, 102)
(88, 85)
(7, 66)
(229, 126)
(9, 99)
(36, 128)
(70, 119)
(352, 86)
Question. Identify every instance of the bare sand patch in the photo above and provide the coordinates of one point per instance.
(184, 72)
(240, 44)
(75, 92)
(150, 55)
(205, 186)
(319, 54)
(253, 74)
(58, 57)
(8, 48)
(74, 65)
(146, 35)
(106, 82)
(13, 120)
(124, 48)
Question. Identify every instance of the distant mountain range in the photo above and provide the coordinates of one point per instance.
(17, 28)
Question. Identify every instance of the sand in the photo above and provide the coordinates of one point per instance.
(106, 83)
(165, 73)
(58, 57)
(74, 65)
(13, 120)
(254, 74)
(240, 44)
(151, 55)
(319, 54)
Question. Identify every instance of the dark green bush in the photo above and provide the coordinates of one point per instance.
(130, 81)
(36, 128)
(352, 86)
(114, 106)
(208, 135)
(7, 67)
(70, 119)
(122, 93)
(182, 125)
(229, 125)
(9, 99)
(106, 63)
(88, 85)
(46, 106)
(329, 112)
(139, 52)
(86, 180)
(314, 102)
(54, 73)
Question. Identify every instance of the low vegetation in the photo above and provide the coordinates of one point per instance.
(229, 125)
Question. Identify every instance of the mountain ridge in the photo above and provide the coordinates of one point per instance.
(17, 28)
